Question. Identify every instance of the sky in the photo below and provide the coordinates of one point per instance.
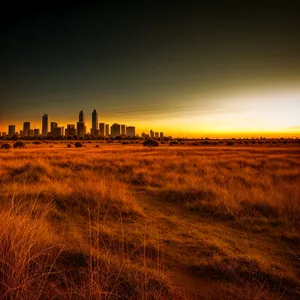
(187, 69)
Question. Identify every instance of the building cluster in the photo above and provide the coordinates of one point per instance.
(79, 130)
(152, 135)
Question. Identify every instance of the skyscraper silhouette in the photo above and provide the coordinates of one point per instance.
(81, 128)
(81, 116)
(94, 122)
(53, 125)
(115, 129)
(11, 130)
(107, 129)
(45, 125)
(26, 128)
(102, 129)
(151, 134)
(130, 131)
(123, 129)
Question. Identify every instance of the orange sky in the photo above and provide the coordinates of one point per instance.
(266, 113)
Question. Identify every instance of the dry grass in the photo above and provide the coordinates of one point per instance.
(125, 222)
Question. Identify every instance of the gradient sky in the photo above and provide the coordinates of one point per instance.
(188, 70)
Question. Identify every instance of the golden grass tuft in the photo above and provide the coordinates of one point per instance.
(28, 252)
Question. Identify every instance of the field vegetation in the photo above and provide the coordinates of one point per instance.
(125, 221)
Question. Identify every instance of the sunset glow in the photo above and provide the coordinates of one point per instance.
(238, 76)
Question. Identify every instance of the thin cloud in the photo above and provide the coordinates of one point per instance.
(295, 127)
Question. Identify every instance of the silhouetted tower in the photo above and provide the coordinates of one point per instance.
(115, 129)
(11, 130)
(45, 125)
(107, 129)
(123, 129)
(102, 129)
(26, 128)
(81, 116)
(53, 125)
(151, 134)
(94, 122)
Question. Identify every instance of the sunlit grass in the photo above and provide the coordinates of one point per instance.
(127, 222)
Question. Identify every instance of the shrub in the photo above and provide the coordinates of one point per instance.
(151, 143)
(78, 145)
(5, 146)
(36, 142)
(19, 144)
(230, 143)
(69, 145)
(173, 143)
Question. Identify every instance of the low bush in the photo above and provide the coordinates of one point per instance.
(151, 143)
(78, 145)
(5, 146)
(19, 144)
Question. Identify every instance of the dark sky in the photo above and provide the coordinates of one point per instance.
(149, 64)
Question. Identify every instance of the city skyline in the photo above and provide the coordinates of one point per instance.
(188, 69)
(79, 129)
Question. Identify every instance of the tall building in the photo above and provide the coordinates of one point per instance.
(31, 133)
(81, 129)
(145, 136)
(106, 129)
(156, 134)
(161, 135)
(130, 131)
(151, 134)
(81, 116)
(45, 125)
(94, 122)
(26, 128)
(102, 129)
(115, 130)
(36, 133)
(123, 129)
(11, 130)
(53, 125)
(70, 131)
(57, 132)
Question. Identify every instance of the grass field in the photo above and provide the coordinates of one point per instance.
(129, 222)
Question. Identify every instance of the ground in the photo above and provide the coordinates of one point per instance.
(131, 222)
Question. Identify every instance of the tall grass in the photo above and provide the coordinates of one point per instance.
(125, 222)
(28, 252)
